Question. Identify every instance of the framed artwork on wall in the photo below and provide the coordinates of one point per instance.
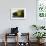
(41, 12)
(41, 9)
(18, 13)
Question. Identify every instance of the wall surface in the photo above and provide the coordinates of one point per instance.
(24, 25)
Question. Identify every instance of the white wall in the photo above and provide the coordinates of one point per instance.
(24, 25)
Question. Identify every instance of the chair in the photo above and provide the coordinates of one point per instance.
(7, 35)
(24, 36)
(14, 32)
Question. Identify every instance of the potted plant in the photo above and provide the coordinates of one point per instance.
(38, 27)
(39, 35)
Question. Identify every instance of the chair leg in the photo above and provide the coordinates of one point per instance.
(5, 40)
(5, 43)
(17, 39)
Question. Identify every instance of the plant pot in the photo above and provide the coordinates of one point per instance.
(40, 40)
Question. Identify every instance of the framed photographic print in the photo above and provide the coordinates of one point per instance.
(41, 9)
(18, 13)
(41, 12)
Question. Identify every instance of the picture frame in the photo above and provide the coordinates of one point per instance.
(41, 12)
(41, 9)
(18, 13)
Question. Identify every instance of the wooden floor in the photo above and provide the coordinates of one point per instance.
(13, 44)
